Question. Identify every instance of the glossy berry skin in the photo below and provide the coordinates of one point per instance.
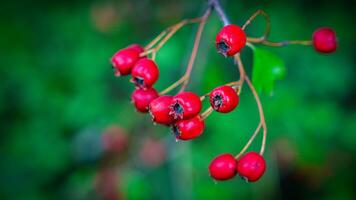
(137, 48)
(251, 166)
(160, 108)
(185, 105)
(224, 99)
(230, 40)
(124, 60)
(142, 98)
(188, 129)
(223, 167)
(324, 40)
(145, 73)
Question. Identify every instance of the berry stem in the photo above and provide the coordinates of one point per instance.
(268, 23)
(195, 49)
(279, 44)
(260, 109)
(247, 145)
(173, 86)
(215, 4)
(207, 112)
(166, 35)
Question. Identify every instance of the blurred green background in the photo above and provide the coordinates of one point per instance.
(68, 130)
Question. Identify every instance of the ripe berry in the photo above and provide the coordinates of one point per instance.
(142, 98)
(189, 128)
(137, 48)
(324, 40)
(223, 167)
(251, 166)
(230, 40)
(123, 60)
(160, 108)
(185, 105)
(145, 73)
(224, 99)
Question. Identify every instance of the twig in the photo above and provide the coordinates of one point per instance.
(216, 5)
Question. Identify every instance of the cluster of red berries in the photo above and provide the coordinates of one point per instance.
(182, 111)
(250, 167)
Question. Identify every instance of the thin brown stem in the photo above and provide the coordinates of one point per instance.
(247, 145)
(260, 109)
(279, 44)
(207, 112)
(173, 86)
(268, 24)
(195, 49)
(165, 35)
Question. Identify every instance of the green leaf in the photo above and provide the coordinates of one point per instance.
(267, 68)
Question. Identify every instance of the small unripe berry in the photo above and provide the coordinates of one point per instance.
(230, 40)
(185, 105)
(224, 99)
(251, 166)
(142, 98)
(324, 40)
(189, 128)
(159, 110)
(145, 73)
(223, 167)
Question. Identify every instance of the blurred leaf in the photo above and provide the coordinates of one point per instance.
(267, 68)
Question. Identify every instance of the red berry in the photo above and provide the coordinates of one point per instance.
(251, 166)
(189, 128)
(223, 167)
(185, 105)
(160, 108)
(142, 98)
(115, 139)
(123, 61)
(145, 73)
(224, 99)
(136, 47)
(230, 40)
(324, 40)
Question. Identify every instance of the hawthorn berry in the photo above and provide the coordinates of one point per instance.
(324, 40)
(223, 167)
(142, 98)
(145, 73)
(185, 105)
(123, 60)
(159, 110)
(189, 128)
(224, 99)
(137, 48)
(230, 40)
(251, 166)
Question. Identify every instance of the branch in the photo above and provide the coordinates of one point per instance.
(215, 4)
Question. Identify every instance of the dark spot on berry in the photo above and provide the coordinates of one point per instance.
(139, 81)
(177, 111)
(218, 101)
(175, 131)
(223, 48)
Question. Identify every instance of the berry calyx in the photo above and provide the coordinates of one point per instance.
(224, 99)
(124, 60)
(185, 105)
(324, 40)
(189, 128)
(230, 40)
(159, 110)
(223, 167)
(145, 73)
(251, 166)
(142, 98)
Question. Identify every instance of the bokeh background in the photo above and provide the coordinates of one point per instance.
(68, 130)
